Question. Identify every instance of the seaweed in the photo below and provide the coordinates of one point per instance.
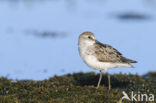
(75, 88)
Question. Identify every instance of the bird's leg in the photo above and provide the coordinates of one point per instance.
(109, 82)
(99, 79)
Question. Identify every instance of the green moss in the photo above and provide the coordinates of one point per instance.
(75, 88)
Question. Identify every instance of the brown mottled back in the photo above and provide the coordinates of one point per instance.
(106, 53)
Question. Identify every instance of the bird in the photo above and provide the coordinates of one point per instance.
(101, 56)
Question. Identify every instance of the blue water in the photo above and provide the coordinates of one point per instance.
(38, 38)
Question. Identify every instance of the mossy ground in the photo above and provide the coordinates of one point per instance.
(75, 88)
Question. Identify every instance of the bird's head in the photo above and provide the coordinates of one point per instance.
(87, 37)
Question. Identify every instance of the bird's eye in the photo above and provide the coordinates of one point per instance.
(89, 37)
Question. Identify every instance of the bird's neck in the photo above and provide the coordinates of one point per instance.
(85, 46)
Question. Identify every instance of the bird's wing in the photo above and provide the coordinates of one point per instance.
(106, 53)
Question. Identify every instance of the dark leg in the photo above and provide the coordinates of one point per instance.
(99, 79)
(109, 82)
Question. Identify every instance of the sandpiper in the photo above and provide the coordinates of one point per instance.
(101, 56)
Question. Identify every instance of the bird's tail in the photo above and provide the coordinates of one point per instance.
(126, 60)
(131, 66)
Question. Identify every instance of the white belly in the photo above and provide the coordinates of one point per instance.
(95, 64)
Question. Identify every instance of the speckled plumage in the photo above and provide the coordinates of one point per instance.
(106, 53)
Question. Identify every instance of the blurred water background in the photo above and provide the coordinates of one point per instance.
(39, 38)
